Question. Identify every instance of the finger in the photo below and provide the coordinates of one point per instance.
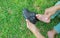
(38, 15)
(46, 13)
(27, 21)
(49, 15)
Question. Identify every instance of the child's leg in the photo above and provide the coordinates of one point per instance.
(56, 29)
(57, 12)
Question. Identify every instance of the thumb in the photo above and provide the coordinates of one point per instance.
(46, 13)
(26, 19)
(47, 17)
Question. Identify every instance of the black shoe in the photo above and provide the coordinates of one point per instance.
(31, 16)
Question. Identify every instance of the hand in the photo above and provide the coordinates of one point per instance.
(30, 25)
(34, 29)
(50, 11)
(42, 18)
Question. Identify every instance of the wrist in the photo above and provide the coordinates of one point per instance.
(58, 7)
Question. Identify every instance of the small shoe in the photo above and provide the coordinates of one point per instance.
(31, 16)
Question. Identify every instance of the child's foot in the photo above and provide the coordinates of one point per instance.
(43, 18)
(51, 34)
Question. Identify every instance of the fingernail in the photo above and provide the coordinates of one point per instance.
(26, 19)
(46, 18)
(36, 15)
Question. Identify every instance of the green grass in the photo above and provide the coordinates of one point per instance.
(12, 22)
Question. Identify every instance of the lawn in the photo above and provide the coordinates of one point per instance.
(12, 22)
